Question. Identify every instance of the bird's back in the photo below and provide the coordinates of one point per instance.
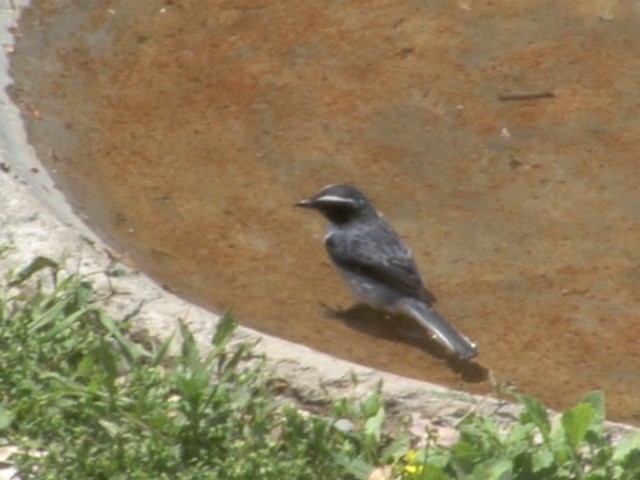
(373, 250)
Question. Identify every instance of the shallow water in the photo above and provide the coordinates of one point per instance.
(185, 130)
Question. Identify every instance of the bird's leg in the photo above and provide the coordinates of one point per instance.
(339, 312)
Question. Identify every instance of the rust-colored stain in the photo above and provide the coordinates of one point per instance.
(185, 130)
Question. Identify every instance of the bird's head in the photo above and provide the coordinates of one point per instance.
(340, 204)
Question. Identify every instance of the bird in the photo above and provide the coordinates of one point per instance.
(377, 266)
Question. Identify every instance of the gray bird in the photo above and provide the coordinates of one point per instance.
(377, 266)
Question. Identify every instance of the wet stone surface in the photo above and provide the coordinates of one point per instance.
(183, 132)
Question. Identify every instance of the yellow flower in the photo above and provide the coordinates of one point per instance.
(411, 468)
(410, 456)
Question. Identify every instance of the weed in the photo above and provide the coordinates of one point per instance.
(83, 401)
(573, 446)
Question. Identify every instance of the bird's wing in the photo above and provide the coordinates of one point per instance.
(381, 257)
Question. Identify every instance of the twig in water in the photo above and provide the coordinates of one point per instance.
(525, 96)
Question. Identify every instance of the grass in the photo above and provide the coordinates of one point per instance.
(81, 400)
(575, 446)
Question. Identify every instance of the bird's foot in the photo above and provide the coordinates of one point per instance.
(331, 312)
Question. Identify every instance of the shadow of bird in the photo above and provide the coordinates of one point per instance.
(399, 328)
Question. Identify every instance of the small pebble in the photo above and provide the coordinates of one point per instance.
(606, 17)
(344, 425)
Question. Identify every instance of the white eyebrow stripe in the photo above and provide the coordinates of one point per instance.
(334, 199)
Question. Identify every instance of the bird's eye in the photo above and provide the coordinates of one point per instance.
(341, 212)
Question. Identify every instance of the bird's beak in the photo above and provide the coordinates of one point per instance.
(309, 203)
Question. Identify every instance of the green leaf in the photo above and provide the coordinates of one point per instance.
(598, 474)
(6, 418)
(131, 351)
(596, 400)
(357, 467)
(190, 353)
(227, 367)
(82, 293)
(49, 315)
(372, 404)
(431, 472)
(482, 432)
(373, 425)
(107, 360)
(501, 469)
(112, 428)
(629, 445)
(536, 414)
(519, 438)
(64, 324)
(398, 447)
(541, 459)
(226, 326)
(465, 455)
(38, 263)
(159, 354)
(576, 423)
(563, 452)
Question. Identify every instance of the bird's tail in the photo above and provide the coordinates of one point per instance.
(438, 326)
